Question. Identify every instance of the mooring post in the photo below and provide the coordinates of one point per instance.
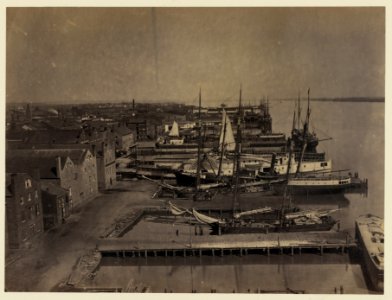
(300, 250)
(200, 252)
(268, 251)
(184, 252)
(145, 253)
(321, 250)
(213, 252)
(165, 252)
(221, 253)
(292, 250)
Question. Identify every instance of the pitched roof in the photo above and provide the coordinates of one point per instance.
(122, 130)
(53, 189)
(43, 159)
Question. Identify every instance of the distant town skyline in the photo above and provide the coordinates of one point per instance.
(78, 55)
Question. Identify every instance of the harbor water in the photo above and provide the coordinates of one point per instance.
(357, 132)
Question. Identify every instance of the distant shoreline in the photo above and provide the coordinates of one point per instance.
(351, 99)
(341, 100)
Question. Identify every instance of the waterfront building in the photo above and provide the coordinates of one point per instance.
(55, 204)
(72, 169)
(24, 220)
(124, 138)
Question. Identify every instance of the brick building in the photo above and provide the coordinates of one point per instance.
(123, 137)
(74, 170)
(24, 219)
(101, 145)
(55, 205)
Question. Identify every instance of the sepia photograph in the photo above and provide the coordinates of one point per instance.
(194, 149)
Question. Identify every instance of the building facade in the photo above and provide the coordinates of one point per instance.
(24, 220)
(55, 205)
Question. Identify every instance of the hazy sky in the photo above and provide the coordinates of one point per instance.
(66, 55)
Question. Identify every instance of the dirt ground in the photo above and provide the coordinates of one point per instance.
(50, 260)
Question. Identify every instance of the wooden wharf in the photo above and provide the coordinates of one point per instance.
(235, 244)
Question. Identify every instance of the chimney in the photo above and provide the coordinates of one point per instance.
(58, 166)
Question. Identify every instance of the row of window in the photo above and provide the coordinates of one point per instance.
(22, 200)
(30, 212)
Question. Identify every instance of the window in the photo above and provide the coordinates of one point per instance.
(323, 164)
(76, 176)
(21, 200)
(37, 210)
(29, 197)
(30, 213)
(36, 195)
(28, 183)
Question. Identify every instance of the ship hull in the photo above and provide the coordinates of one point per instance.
(375, 274)
(184, 179)
(238, 228)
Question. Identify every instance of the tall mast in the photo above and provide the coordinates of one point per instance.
(223, 146)
(299, 110)
(199, 146)
(238, 154)
(308, 112)
(304, 136)
(293, 127)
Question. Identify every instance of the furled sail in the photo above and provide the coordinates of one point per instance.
(175, 210)
(226, 139)
(174, 130)
(252, 212)
(205, 219)
(311, 214)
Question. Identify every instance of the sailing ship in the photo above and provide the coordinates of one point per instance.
(369, 232)
(304, 140)
(312, 176)
(212, 168)
(173, 138)
(264, 219)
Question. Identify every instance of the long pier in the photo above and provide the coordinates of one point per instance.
(239, 244)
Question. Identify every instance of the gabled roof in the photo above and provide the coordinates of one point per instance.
(53, 189)
(43, 159)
